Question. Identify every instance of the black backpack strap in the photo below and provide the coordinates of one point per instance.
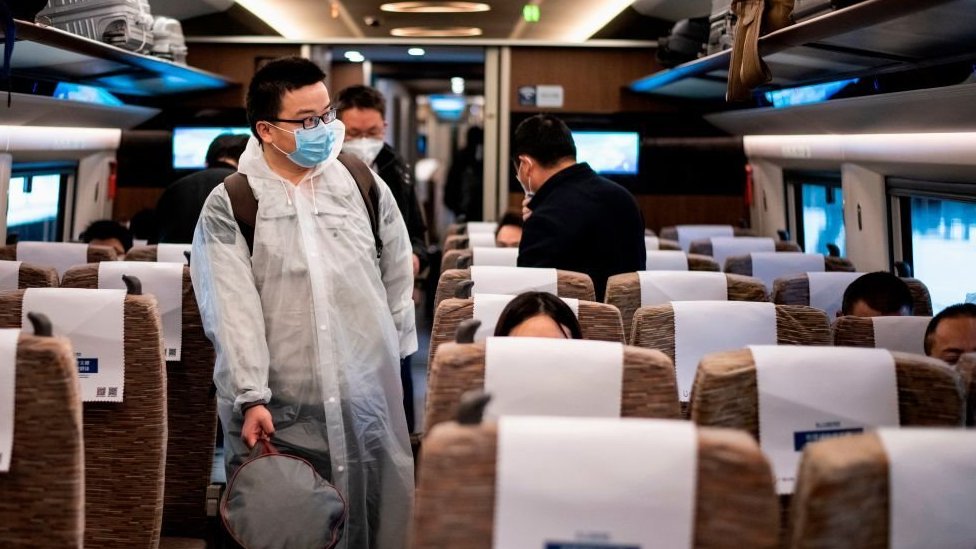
(370, 193)
(243, 204)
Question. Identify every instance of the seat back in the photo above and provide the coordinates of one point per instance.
(704, 247)
(846, 494)
(907, 336)
(33, 276)
(726, 392)
(598, 321)
(568, 284)
(125, 443)
(141, 253)
(795, 290)
(734, 496)
(695, 262)
(648, 382)
(95, 254)
(191, 413)
(450, 259)
(159, 252)
(742, 265)
(42, 497)
(967, 370)
(624, 293)
(671, 233)
(465, 241)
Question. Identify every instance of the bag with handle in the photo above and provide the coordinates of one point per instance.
(279, 501)
(753, 18)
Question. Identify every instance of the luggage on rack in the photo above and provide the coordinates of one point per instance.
(721, 23)
(168, 41)
(808, 9)
(685, 43)
(127, 24)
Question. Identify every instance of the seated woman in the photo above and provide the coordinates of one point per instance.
(538, 314)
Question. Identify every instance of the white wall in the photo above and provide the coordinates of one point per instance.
(769, 200)
(6, 161)
(91, 191)
(867, 235)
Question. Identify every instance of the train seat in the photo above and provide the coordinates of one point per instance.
(18, 275)
(125, 442)
(676, 260)
(708, 326)
(159, 252)
(685, 234)
(891, 488)
(652, 243)
(42, 496)
(464, 241)
(60, 255)
(828, 291)
(967, 369)
(732, 497)
(513, 280)
(191, 404)
(631, 291)
(905, 334)
(770, 266)
(647, 388)
(722, 247)
(481, 256)
(598, 321)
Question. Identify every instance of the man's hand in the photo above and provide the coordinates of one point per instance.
(257, 425)
(416, 265)
(526, 212)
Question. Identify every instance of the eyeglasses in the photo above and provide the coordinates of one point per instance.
(311, 121)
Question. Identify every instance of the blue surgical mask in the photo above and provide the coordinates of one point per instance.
(317, 145)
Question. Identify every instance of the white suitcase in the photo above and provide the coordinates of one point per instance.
(808, 9)
(721, 25)
(123, 23)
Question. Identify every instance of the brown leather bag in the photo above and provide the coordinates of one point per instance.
(753, 19)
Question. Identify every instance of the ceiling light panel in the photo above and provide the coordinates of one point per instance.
(435, 32)
(435, 7)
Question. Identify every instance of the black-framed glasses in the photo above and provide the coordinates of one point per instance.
(311, 121)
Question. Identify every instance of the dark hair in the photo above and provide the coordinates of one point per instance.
(510, 218)
(145, 225)
(545, 138)
(361, 97)
(226, 145)
(272, 81)
(960, 310)
(530, 304)
(883, 292)
(105, 229)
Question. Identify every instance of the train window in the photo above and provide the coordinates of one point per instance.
(34, 205)
(943, 248)
(818, 209)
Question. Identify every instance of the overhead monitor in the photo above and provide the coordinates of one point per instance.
(608, 152)
(448, 108)
(190, 144)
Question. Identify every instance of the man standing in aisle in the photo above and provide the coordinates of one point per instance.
(310, 314)
(577, 220)
(362, 110)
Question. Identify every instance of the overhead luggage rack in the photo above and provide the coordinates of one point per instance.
(871, 37)
(48, 53)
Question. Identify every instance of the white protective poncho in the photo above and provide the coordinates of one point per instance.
(314, 324)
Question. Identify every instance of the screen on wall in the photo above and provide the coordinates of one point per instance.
(190, 145)
(609, 153)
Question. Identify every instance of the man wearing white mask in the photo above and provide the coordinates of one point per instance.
(362, 110)
(309, 309)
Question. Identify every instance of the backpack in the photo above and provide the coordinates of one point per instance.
(245, 205)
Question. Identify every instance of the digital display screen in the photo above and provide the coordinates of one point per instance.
(448, 107)
(609, 153)
(190, 145)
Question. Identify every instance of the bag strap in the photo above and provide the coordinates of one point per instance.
(245, 206)
(370, 193)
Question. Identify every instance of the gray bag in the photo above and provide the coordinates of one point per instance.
(278, 501)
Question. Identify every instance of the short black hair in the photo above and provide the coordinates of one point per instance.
(510, 218)
(959, 310)
(361, 97)
(545, 138)
(226, 145)
(105, 229)
(883, 292)
(272, 81)
(531, 304)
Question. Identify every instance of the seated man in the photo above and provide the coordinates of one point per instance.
(952, 333)
(509, 231)
(538, 314)
(106, 232)
(877, 294)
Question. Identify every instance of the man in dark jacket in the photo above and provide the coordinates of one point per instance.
(576, 220)
(179, 207)
(362, 110)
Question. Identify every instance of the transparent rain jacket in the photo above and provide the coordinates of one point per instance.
(314, 325)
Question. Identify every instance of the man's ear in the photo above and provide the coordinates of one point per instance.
(264, 132)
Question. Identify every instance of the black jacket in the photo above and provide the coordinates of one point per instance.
(396, 175)
(181, 203)
(585, 223)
